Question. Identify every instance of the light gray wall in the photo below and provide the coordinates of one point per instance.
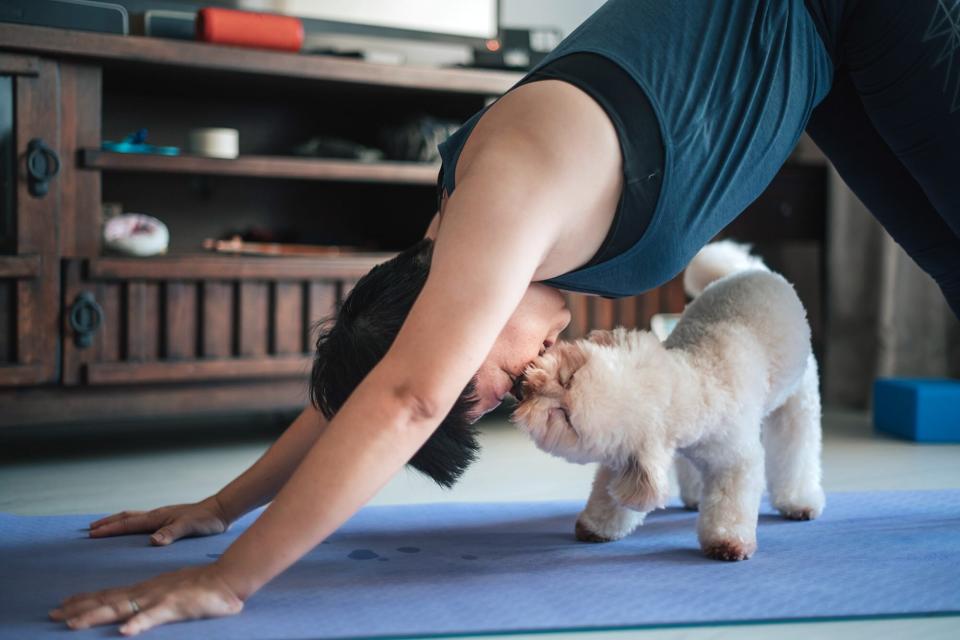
(565, 14)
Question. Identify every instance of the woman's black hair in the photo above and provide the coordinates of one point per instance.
(352, 342)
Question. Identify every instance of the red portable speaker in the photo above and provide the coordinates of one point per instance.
(249, 29)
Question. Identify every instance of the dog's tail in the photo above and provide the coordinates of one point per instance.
(716, 260)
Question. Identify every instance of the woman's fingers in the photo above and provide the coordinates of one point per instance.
(111, 610)
(189, 593)
(115, 516)
(81, 604)
(149, 618)
(138, 522)
(168, 533)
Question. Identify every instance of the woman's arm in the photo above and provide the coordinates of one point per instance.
(482, 265)
(260, 483)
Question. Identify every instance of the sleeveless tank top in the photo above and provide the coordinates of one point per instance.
(732, 85)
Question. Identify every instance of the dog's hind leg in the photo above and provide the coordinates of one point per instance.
(730, 500)
(603, 520)
(791, 437)
(689, 480)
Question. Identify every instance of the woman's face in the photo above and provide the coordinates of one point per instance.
(534, 326)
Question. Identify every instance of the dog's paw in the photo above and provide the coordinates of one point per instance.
(805, 508)
(729, 550)
(801, 513)
(584, 534)
(606, 525)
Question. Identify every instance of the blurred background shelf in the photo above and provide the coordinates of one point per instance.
(116, 52)
(265, 167)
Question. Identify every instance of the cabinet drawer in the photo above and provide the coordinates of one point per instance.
(133, 321)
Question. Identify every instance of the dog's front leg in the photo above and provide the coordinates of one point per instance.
(643, 484)
(603, 520)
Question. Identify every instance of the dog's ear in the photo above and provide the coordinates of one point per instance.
(601, 337)
(571, 357)
(619, 337)
(638, 487)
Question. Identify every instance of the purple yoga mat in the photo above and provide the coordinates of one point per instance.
(432, 569)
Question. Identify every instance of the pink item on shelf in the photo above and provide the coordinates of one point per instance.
(136, 234)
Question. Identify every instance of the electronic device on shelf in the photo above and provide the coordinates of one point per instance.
(82, 15)
(516, 48)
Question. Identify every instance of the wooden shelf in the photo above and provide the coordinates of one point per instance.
(265, 167)
(138, 50)
(219, 267)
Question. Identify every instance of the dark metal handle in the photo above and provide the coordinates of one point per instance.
(42, 164)
(86, 316)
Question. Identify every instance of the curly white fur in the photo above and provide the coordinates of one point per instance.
(738, 364)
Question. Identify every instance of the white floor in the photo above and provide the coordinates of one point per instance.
(152, 471)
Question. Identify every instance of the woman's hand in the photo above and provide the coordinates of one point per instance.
(167, 524)
(185, 594)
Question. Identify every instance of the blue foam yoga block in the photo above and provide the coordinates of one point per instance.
(924, 410)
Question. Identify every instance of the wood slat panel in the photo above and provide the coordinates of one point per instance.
(602, 313)
(579, 317)
(252, 332)
(218, 324)
(153, 322)
(343, 290)
(202, 267)
(287, 318)
(111, 334)
(137, 322)
(180, 320)
(648, 305)
(31, 312)
(225, 369)
(8, 336)
(627, 312)
(672, 297)
(321, 304)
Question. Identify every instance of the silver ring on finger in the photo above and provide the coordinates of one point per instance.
(134, 606)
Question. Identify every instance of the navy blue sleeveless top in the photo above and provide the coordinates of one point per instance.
(732, 85)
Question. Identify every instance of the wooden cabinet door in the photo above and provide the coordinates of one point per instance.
(29, 197)
(197, 318)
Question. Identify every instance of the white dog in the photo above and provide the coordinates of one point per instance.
(738, 359)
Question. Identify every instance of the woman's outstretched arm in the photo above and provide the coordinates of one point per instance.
(482, 265)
